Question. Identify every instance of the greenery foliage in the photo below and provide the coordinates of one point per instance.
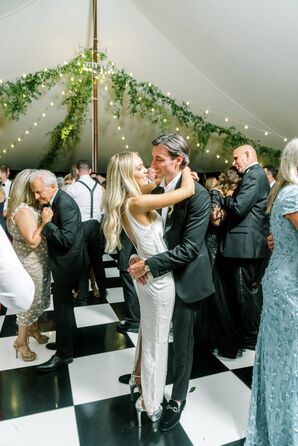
(144, 99)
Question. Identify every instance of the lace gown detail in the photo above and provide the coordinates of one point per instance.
(36, 263)
(273, 417)
(156, 299)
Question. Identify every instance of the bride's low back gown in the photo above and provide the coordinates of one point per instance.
(157, 300)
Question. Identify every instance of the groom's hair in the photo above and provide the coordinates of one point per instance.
(175, 144)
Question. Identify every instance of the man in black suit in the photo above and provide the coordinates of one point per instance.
(185, 227)
(64, 234)
(243, 246)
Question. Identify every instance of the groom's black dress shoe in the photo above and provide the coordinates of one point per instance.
(51, 345)
(171, 415)
(124, 379)
(54, 363)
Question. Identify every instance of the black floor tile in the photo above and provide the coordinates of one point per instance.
(3, 310)
(110, 264)
(113, 422)
(100, 339)
(9, 327)
(113, 282)
(119, 309)
(236, 443)
(245, 374)
(25, 392)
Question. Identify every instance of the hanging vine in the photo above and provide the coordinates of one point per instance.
(144, 99)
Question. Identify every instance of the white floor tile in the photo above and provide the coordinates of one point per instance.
(8, 358)
(94, 315)
(56, 427)
(216, 412)
(96, 377)
(107, 258)
(115, 295)
(112, 272)
(246, 360)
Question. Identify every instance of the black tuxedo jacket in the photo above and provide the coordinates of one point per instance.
(247, 223)
(64, 235)
(187, 254)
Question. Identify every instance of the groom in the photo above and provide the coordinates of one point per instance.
(185, 227)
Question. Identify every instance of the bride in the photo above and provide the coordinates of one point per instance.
(129, 205)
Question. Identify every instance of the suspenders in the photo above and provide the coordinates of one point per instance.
(91, 193)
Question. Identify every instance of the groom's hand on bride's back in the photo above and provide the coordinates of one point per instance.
(137, 270)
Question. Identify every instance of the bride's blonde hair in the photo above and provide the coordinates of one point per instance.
(120, 184)
(288, 171)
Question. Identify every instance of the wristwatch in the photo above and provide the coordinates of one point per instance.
(147, 267)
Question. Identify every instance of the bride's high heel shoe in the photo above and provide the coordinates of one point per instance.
(140, 409)
(133, 385)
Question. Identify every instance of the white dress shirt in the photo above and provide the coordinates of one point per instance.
(168, 188)
(6, 187)
(82, 197)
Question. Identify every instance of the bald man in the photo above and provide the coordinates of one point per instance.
(243, 247)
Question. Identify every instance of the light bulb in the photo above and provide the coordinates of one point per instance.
(123, 138)
(35, 124)
(152, 109)
(206, 112)
(226, 119)
(285, 139)
(266, 133)
(27, 132)
(12, 146)
(43, 115)
(207, 151)
(165, 120)
(4, 150)
(198, 144)
(246, 126)
(187, 137)
(19, 139)
(119, 128)
(51, 104)
(217, 156)
(111, 102)
(168, 93)
(187, 103)
(177, 129)
(63, 93)
(226, 161)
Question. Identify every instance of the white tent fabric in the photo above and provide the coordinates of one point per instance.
(236, 59)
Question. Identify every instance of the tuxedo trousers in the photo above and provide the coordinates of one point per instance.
(185, 317)
(94, 245)
(244, 291)
(64, 318)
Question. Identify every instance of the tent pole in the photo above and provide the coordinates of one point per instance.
(94, 165)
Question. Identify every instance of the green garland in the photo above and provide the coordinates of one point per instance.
(144, 99)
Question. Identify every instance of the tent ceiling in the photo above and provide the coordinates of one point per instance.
(238, 59)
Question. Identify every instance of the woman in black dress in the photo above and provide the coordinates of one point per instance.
(222, 333)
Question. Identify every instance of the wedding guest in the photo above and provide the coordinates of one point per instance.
(243, 244)
(88, 195)
(271, 173)
(4, 178)
(128, 205)
(25, 226)
(210, 183)
(273, 418)
(222, 332)
(64, 233)
(2, 201)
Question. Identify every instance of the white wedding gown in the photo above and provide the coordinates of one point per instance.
(157, 300)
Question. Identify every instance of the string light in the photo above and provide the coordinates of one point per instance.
(246, 126)
(217, 156)
(266, 133)
(226, 119)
